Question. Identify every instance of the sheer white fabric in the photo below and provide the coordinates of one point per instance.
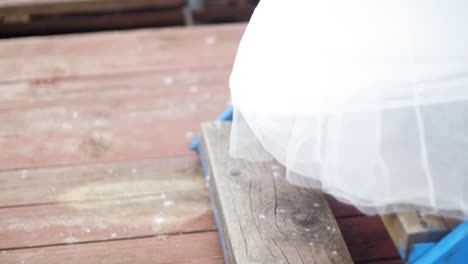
(367, 100)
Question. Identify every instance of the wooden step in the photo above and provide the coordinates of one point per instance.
(263, 218)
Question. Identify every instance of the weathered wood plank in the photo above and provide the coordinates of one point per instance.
(118, 52)
(82, 120)
(265, 219)
(190, 248)
(159, 198)
(451, 222)
(99, 181)
(408, 228)
(140, 90)
(57, 7)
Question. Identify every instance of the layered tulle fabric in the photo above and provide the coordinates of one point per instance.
(367, 99)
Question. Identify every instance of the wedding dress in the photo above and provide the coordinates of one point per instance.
(367, 100)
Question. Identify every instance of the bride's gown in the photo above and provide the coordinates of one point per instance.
(367, 100)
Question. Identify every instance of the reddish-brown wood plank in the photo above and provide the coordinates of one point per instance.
(107, 53)
(122, 91)
(66, 23)
(367, 239)
(340, 209)
(190, 248)
(67, 223)
(145, 198)
(362, 229)
(373, 251)
(392, 261)
(56, 7)
(83, 120)
(100, 181)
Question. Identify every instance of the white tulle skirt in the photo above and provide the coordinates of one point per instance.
(367, 100)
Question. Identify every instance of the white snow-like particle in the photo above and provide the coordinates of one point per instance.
(87, 230)
(316, 205)
(189, 134)
(66, 125)
(70, 240)
(276, 174)
(163, 196)
(193, 88)
(75, 115)
(262, 216)
(210, 40)
(113, 235)
(168, 81)
(168, 203)
(24, 174)
(334, 252)
(159, 220)
(99, 123)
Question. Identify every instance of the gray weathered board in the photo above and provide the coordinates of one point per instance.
(264, 219)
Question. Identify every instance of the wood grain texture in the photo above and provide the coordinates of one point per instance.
(118, 52)
(190, 248)
(57, 7)
(265, 219)
(82, 120)
(137, 90)
(408, 228)
(106, 181)
(106, 202)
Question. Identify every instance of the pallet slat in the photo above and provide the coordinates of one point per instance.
(264, 218)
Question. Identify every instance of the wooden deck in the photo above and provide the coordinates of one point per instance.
(94, 160)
